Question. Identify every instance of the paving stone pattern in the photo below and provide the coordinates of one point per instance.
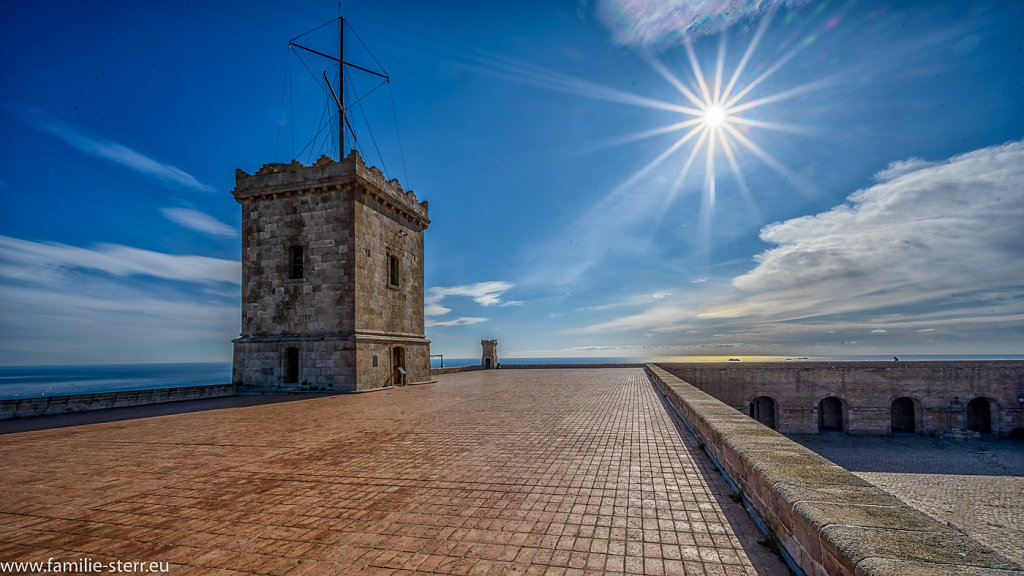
(489, 472)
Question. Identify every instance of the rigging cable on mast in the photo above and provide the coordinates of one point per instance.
(401, 153)
(370, 130)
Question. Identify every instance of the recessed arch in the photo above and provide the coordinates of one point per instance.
(979, 415)
(763, 409)
(902, 415)
(830, 414)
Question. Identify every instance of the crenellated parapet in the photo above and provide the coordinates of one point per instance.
(295, 178)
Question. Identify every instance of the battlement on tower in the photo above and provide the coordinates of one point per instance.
(293, 178)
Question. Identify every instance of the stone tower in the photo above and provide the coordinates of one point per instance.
(332, 279)
(489, 359)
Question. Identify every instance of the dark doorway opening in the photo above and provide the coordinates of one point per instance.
(487, 363)
(762, 409)
(291, 370)
(398, 366)
(902, 415)
(979, 416)
(830, 414)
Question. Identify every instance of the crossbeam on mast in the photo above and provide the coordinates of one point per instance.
(339, 95)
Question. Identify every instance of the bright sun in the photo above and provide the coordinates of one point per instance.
(714, 116)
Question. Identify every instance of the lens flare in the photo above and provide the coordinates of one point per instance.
(714, 116)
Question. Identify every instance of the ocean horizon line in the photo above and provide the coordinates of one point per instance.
(40, 380)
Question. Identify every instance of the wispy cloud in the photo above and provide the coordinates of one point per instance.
(461, 321)
(657, 23)
(66, 304)
(114, 152)
(483, 293)
(42, 261)
(199, 221)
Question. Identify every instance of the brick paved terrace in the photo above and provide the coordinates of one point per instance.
(498, 472)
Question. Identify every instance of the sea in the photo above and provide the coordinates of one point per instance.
(36, 381)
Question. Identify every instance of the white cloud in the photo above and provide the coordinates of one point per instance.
(899, 168)
(930, 233)
(199, 221)
(931, 246)
(462, 321)
(117, 153)
(483, 293)
(662, 22)
(43, 262)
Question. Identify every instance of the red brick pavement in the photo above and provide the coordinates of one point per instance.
(498, 472)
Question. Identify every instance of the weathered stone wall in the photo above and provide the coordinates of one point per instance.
(327, 364)
(48, 405)
(382, 308)
(866, 391)
(323, 300)
(830, 521)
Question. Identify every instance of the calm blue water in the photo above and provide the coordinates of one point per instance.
(28, 381)
(33, 381)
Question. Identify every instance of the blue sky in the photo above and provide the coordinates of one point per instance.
(862, 195)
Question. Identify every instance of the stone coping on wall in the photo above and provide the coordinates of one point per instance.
(829, 520)
(504, 366)
(456, 369)
(48, 405)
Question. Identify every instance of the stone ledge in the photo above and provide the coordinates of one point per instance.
(49, 405)
(829, 520)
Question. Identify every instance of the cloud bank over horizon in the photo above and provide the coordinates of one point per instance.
(932, 247)
(114, 302)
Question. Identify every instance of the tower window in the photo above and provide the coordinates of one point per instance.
(393, 270)
(295, 270)
(291, 371)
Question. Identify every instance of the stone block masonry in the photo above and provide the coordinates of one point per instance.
(934, 398)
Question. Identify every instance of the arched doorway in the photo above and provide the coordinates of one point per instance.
(762, 409)
(398, 366)
(979, 416)
(830, 414)
(902, 415)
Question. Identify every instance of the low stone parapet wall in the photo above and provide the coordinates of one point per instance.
(830, 521)
(453, 370)
(47, 405)
(540, 366)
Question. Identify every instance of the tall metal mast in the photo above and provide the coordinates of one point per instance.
(339, 95)
(341, 85)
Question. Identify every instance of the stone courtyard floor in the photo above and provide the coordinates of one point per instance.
(975, 486)
(498, 472)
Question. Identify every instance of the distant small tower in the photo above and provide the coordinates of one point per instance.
(490, 355)
(332, 279)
